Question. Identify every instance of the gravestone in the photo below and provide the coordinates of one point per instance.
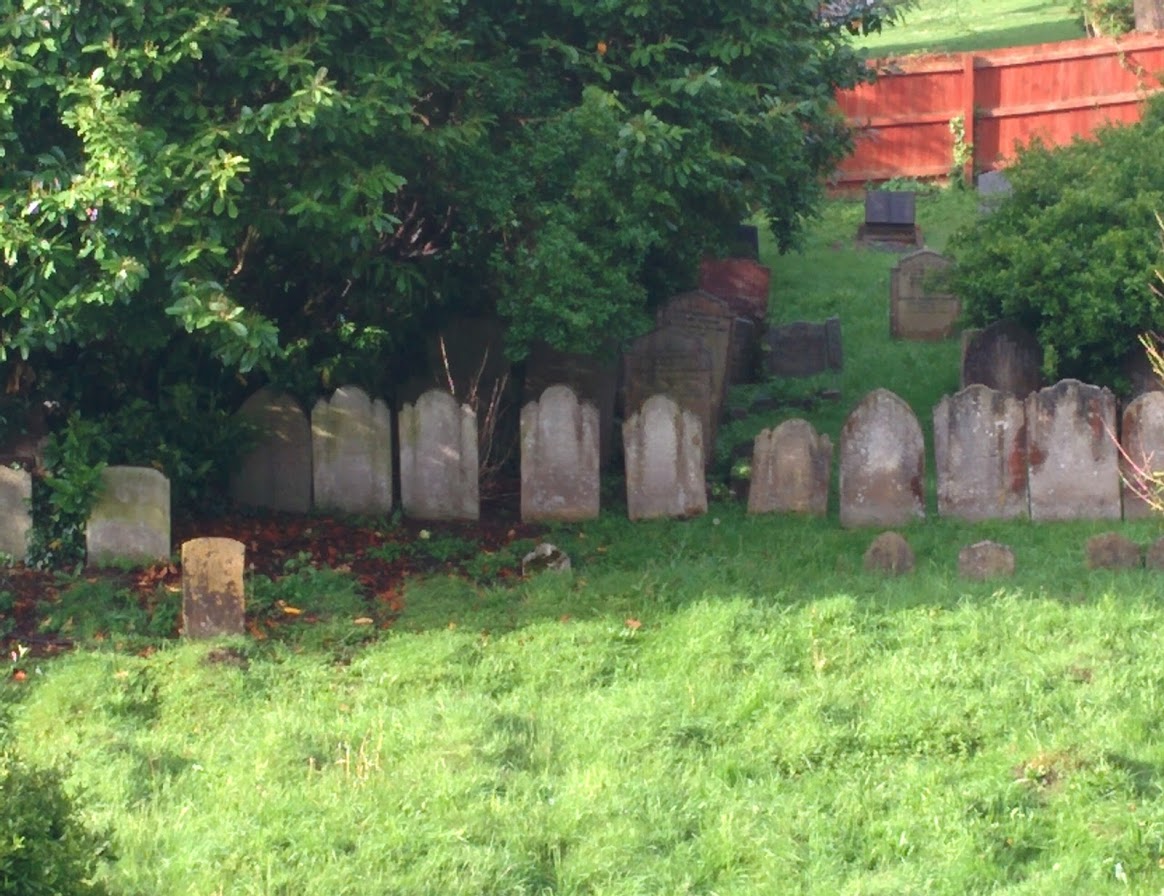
(747, 242)
(980, 452)
(1111, 550)
(671, 362)
(559, 457)
(882, 466)
(212, 587)
(801, 348)
(712, 322)
(790, 470)
(1071, 450)
(985, 560)
(277, 473)
(889, 553)
(663, 446)
(1154, 556)
(1142, 455)
(993, 188)
(890, 219)
(921, 307)
(131, 519)
(593, 379)
(351, 442)
(1003, 356)
(438, 459)
(744, 360)
(741, 282)
(15, 512)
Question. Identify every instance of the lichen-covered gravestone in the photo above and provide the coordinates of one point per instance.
(980, 450)
(663, 446)
(1142, 459)
(131, 519)
(790, 470)
(559, 457)
(921, 306)
(593, 379)
(276, 475)
(212, 587)
(351, 442)
(438, 459)
(15, 512)
(882, 466)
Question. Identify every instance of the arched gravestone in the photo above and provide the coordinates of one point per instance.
(980, 451)
(672, 362)
(438, 459)
(131, 520)
(663, 446)
(593, 379)
(351, 442)
(1142, 457)
(882, 469)
(1004, 357)
(559, 457)
(277, 473)
(1073, 471)
(790, 470)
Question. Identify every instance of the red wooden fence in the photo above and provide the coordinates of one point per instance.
(1004, 98)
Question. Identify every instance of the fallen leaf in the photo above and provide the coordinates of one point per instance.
(362, 620)
(633, 624)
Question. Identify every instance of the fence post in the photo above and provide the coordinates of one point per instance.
(968, 88)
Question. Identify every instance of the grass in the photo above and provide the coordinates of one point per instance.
(725, 705)
(956, 26)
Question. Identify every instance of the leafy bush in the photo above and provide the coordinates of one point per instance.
(1071, 253)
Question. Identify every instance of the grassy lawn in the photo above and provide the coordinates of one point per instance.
(727, 705)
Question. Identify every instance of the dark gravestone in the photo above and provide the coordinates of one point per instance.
(803, 349)
(993, 188)
(921, 307)
(1004, 357)
(593, 379)
(741, 282)
(747, 243)
(711, 321)
(744, 361)
(890, 219)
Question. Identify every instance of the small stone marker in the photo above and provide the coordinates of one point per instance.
(663, 446)
(882, 467)
(921, 307)
(790, 470)
(1112, 551)
(438, 459)
(1073, 460)
(801, 348)
(15, 512)
(986, 560)
(675, 363)
(559, 457)
(741, 282)
(131, 520)
(277, 473)
(1005, 357)
(1142, 457)
(213, 604)
(351, 441)
(889, 553)
(545, 558)
(980, 451)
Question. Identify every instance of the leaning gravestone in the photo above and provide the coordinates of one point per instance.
(593, 379)
(790, 470)
(1071, 449)
(671, 362)
(663, 446)
(712, 322)
(803, 349)
(438, 459)
(277, 473)
(351, 441)
(131, 520)
(212, 587)
(559, 457)
(1005, 357)
(980, 451)
(741, 282)
(15, 512)
(921, 307)
(1142, 455)
(882, 467)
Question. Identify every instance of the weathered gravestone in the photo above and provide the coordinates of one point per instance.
(741, 282)
(803, 349)
(15, 512)
(1005, 357)
(672, 362)
(890, 219)
(663, 446)
(438, 459)
(882, 467)
(351, 441)
(921, 307)
(790, 470)
(889, 553)
(712, 322)
(131, 519)
(985, 560)
(1112, 550)
(277, 472)
(1071, 449)
(993, 188)
(212, 587)
(980, 451)
(593, 379)
(1142, 455)
(559, 457)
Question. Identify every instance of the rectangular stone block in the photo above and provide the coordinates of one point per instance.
(438, 459)
(15, 512)
(131, 520)
(213, 603)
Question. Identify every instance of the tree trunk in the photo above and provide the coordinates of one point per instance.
(1149, 15)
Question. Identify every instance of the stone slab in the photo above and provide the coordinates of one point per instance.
(351, 442)
(276, 475)
(213, 603)
(559, 457)
(130, 522)
(1003, 356)
(921, 307)
(882, 463)
(15, 512)
(663, 447)
(790, 470)
(438, 459)
(1142, 456)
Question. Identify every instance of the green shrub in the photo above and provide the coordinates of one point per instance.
(45, 850)
(1071, 254)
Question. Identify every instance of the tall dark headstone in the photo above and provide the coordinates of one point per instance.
(1005, 357)
(671, 362)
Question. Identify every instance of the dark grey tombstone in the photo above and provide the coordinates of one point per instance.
(803, 349)
(277, 473)
(212, 587)
(594, 379)
(744, 360)
(1003, 356)
(993, 188)
(711, 321)
(890, 219)
(748, 241)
